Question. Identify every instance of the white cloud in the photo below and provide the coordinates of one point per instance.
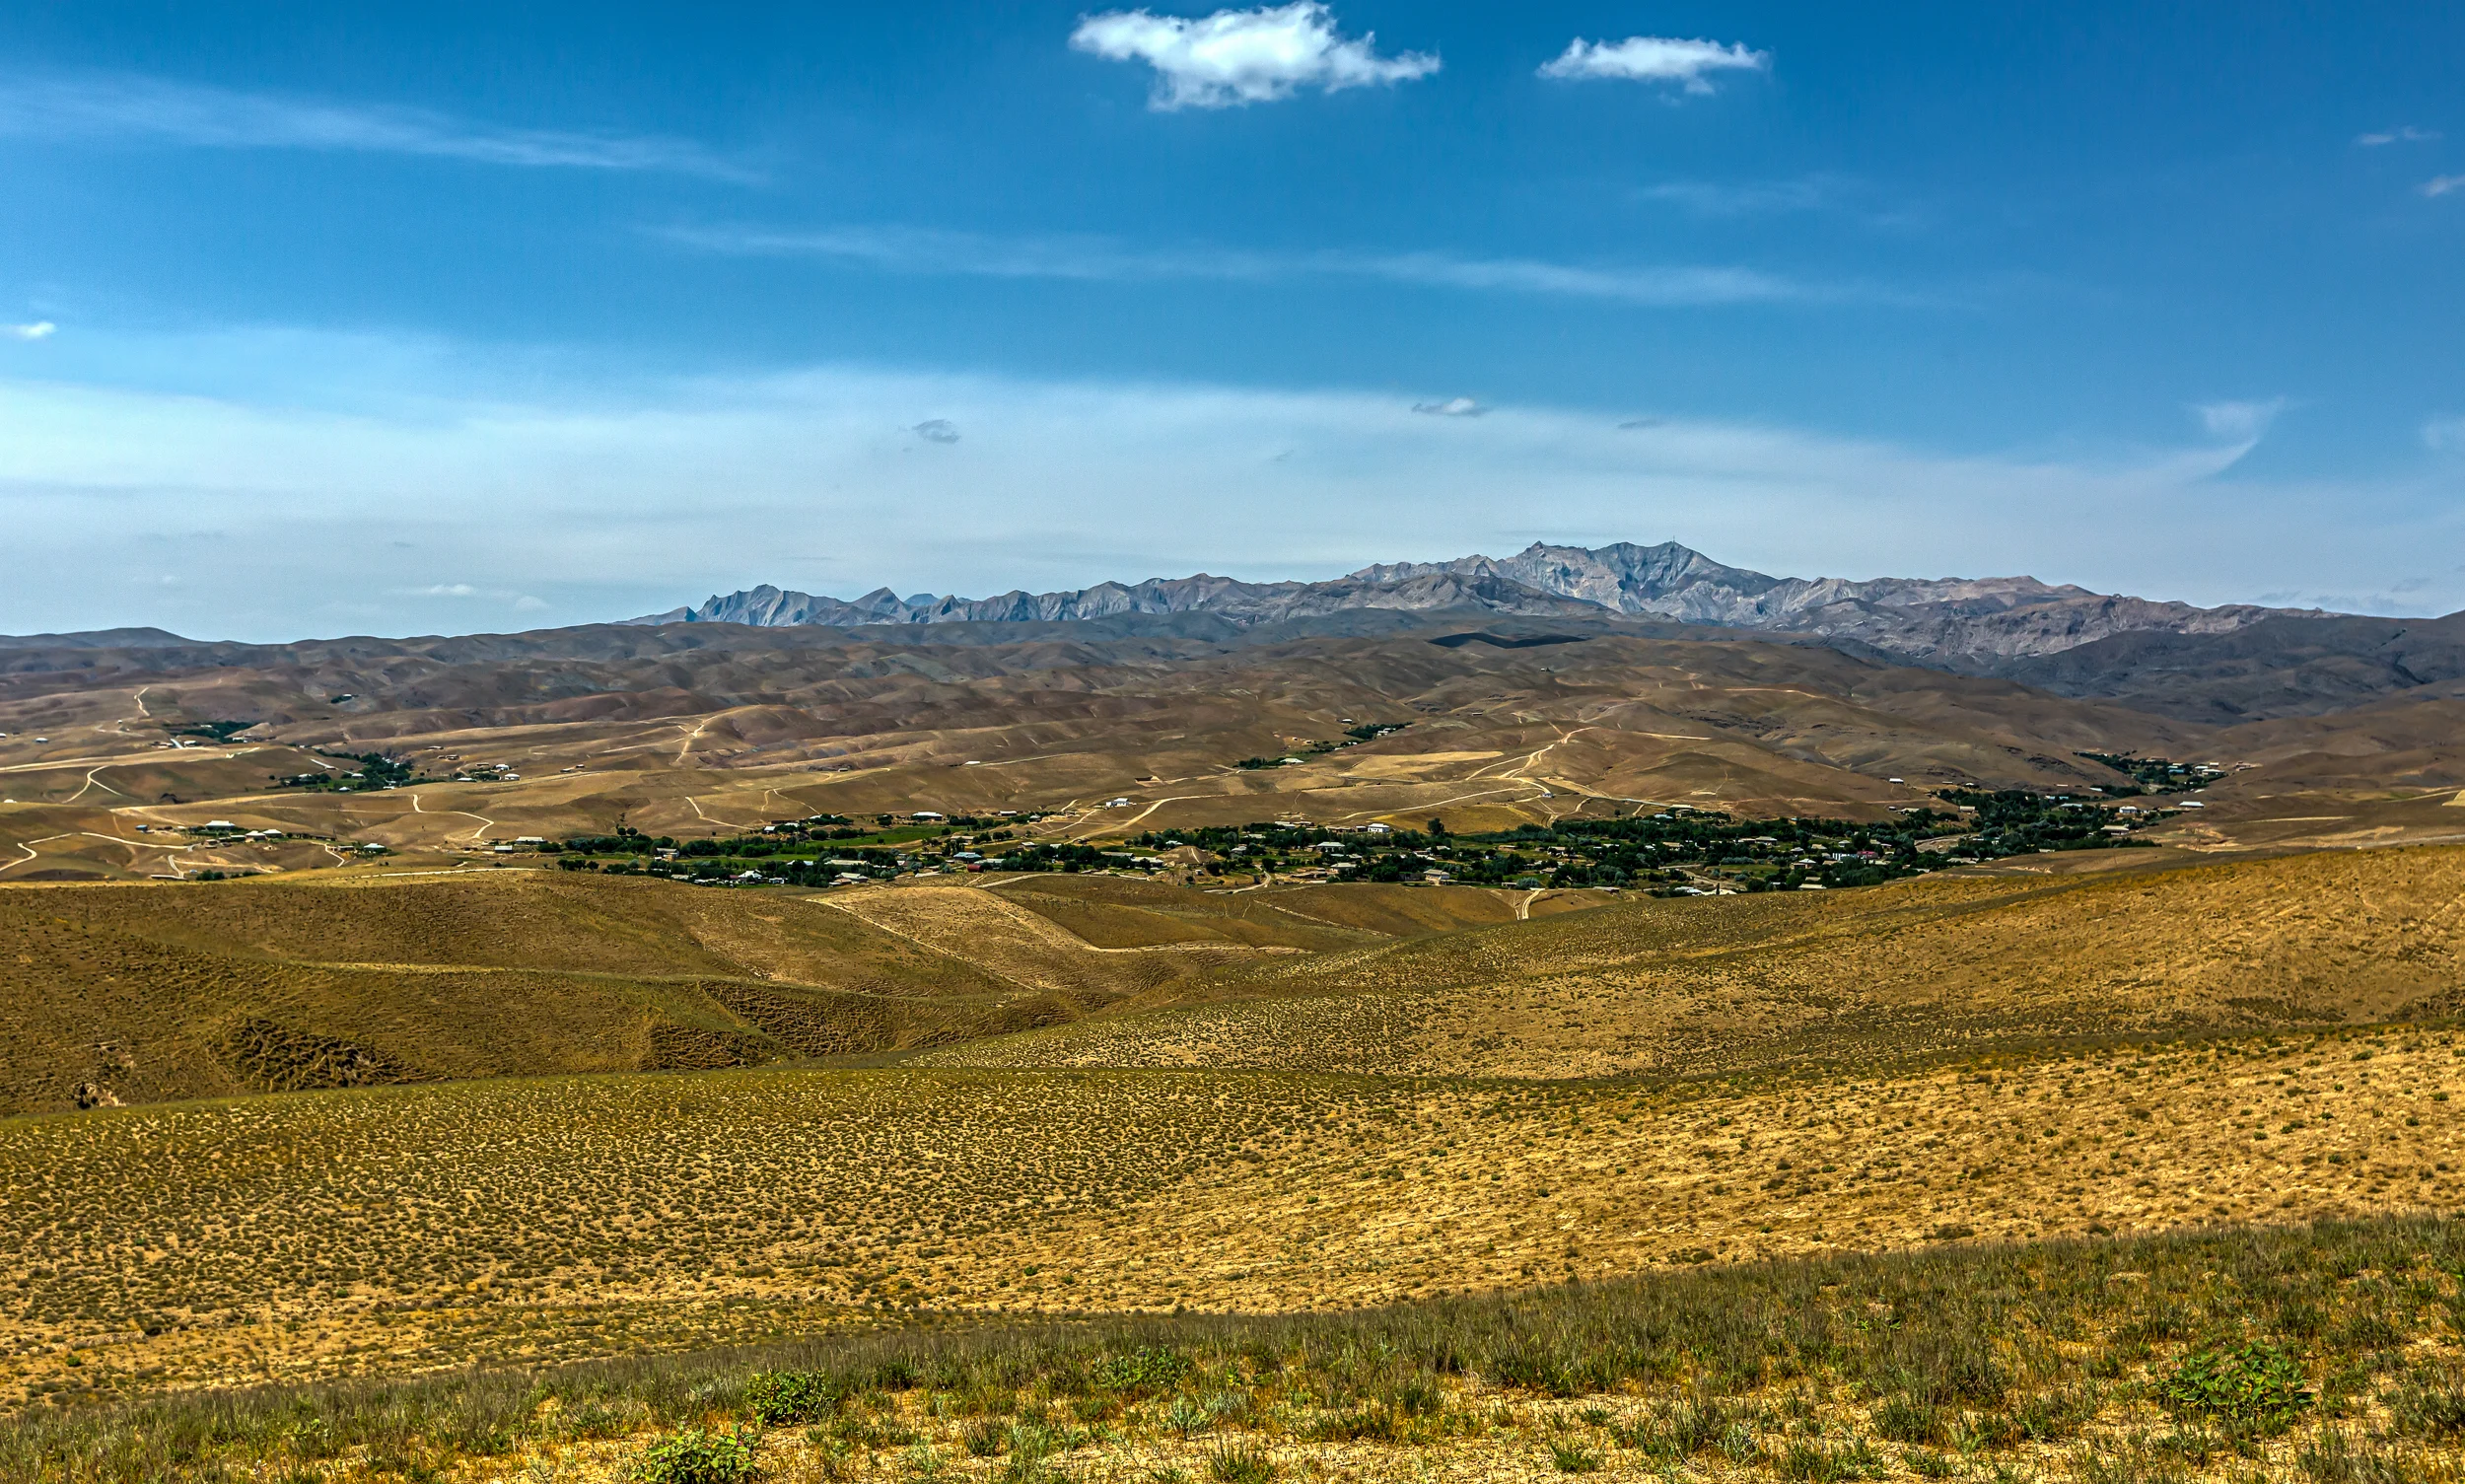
(937, 430)
(609, 503)
(1453, 407)
(40, 329)
(2408, 134)
(1244, 56)
(2441, 185)
(1103, 259)
(125, 107)
(2444, 435)
(529, 604)
(2239, 421)
(1656, 59)
(1748, 199)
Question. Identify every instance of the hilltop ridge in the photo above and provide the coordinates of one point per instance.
(1976, 624)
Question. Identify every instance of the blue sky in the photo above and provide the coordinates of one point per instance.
(337, 319)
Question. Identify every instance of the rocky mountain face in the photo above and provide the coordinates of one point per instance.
(1981, 625)
(1239, 602)
(1959, 622)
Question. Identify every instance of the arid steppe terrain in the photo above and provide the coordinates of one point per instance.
(450, 1161)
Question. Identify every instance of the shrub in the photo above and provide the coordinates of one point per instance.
(2256, 1385)
(786, 1396)
(1144, 1370)
(694, 1456)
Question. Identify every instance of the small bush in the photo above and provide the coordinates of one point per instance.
(2255, 1385)
(1142, 1372)
(694, 1456)
(775, 1397)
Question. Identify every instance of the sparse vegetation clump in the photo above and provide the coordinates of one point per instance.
(697, 1455)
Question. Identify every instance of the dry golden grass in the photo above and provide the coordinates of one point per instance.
(137, 994)
(1921, 967)
(412, 1227)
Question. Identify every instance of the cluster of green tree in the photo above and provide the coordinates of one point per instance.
(2157, 775)
(1676, 850)
(815, 850)
(2011, 823)
(375, 771)
(1059, 856)
(1669, 850)
(212, 731)
(1355, 737)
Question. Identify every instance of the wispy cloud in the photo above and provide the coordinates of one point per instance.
(523, 602)
(1453, 407)
(1102, 259)
(1727, 199)
(2239, 421)
(40, 329)
(2408, 134)
(2444, 435)
(2441, 185)
(1244, 56)
(125, 106)
(937, 430)
(610, 502)
(1656, 59)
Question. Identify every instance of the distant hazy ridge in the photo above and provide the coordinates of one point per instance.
(1950, 621)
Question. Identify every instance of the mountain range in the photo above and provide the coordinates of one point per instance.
(1980, 625)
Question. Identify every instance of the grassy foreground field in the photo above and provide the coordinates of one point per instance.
(418, 1227)
(1991, 1178)
(2330, 1355)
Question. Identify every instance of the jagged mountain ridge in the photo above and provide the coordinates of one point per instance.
(1976, 624)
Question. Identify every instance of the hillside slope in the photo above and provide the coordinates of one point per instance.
(135, 994)
(1885, 974)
